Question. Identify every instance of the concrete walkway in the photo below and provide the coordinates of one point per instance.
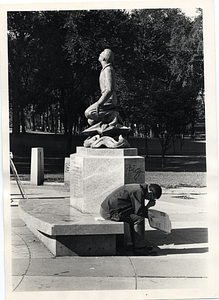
(182, 262)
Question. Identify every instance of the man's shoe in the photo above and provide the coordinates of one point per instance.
(149, 248)
(144, 252)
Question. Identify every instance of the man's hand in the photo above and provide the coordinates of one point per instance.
(150, 204)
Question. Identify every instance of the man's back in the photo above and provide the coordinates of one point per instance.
(126, 196)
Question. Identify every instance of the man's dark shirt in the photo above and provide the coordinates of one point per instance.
(128, 197)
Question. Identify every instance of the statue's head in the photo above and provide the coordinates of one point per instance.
(107, 55)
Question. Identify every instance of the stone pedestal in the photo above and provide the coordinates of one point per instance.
(37, 166)
(95, 173)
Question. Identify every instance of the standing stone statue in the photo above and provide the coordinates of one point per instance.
(102, 115)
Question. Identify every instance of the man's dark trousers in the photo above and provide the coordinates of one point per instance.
(136, 225)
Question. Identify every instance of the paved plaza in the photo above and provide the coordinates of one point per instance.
(182, 262)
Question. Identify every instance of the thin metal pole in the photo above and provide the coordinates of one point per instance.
(17, 179)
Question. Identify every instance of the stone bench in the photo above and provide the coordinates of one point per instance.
(66, 231)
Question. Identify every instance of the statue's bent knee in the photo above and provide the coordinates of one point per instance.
(87, 113)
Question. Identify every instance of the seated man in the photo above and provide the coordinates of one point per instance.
(104, 110)
(126, 204)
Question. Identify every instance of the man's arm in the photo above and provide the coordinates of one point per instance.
(137, 199)
(150, 204)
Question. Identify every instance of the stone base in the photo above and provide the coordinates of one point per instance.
(106, 142)
(88, 245)
(67, 232)
(95, 173)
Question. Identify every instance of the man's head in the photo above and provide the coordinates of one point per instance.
(107, 55)
(153, 192)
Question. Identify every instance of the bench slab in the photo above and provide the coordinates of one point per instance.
(66, 231)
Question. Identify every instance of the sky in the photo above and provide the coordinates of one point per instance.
(190, 11)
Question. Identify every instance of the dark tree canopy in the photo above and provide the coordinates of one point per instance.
(54, 68)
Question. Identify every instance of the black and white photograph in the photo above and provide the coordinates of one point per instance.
(109, 150)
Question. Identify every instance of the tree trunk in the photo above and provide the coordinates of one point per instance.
(15, 105)
(43, 122)
(52, 119)
(23, 123)
(146, 141)
(165, 142)
(69, 138)
(174, 148)
(47, 120)
(69, 141)
(33, 121)
(55, 120)
(163, 160)
(15, 118)
(181, 141)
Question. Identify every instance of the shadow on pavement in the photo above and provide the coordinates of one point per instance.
(178, 236)
(179, 241)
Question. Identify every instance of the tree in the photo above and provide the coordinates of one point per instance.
(54, 68)
(20, 40)
(167, 78)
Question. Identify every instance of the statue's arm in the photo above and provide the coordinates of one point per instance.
(109, 86)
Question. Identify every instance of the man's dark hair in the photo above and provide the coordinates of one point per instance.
(155, 189)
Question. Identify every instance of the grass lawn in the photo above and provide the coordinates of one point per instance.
(185, 167)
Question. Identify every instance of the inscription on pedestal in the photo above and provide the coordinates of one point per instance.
(134, 170)
(78, 178)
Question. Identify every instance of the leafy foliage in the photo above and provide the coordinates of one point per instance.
(54, 68)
